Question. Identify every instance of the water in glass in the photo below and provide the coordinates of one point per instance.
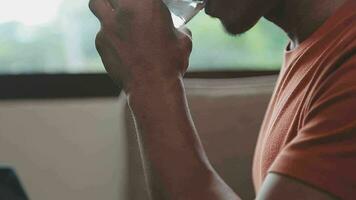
(183, 10)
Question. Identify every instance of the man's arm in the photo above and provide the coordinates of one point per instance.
(175, 157)
(277, 186)
(143, 52)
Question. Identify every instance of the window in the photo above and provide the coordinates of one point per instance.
(57, 36)
(261, 48)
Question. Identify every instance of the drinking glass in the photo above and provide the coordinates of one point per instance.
(182, 11)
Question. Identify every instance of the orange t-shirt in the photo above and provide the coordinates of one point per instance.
(309, 131)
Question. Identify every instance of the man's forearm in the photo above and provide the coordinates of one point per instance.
(171, 147)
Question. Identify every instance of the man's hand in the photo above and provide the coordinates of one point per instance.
(138, 44)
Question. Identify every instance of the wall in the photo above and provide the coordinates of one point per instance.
(66, 149)
(77, 149)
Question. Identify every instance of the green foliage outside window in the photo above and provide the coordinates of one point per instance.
(261, 48)
(66, 45)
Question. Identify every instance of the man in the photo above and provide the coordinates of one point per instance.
(307, 144)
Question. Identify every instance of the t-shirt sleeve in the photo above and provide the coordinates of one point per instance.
(323, 154)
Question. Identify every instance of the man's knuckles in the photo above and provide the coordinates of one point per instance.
(100, 41)
(97, 7)
(185, 40)
(92, 6)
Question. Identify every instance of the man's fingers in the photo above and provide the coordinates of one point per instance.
(113, 3)
(186, 31)
(110, 59)
(102, 9)
(145, 9)
(134, 5)
(185, 37)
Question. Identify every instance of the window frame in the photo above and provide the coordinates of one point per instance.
(84, 86)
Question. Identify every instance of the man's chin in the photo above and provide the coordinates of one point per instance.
(236, 27)
(233, 29)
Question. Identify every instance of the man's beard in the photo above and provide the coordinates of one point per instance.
(232, 29)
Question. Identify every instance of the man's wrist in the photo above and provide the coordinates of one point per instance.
(153, 93)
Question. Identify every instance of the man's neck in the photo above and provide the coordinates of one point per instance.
(300, 18)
